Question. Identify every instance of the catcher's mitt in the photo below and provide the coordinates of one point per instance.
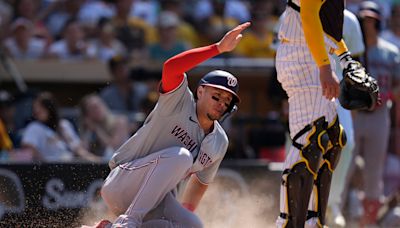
(358, 90)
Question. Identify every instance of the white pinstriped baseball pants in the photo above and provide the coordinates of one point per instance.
(140, 191)
(299, 76)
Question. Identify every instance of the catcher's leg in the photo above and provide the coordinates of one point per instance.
(297, 181)
(337, 140)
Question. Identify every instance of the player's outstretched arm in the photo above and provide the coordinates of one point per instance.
(232, 38)
(176, 66)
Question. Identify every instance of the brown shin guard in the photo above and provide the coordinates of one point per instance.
(299, 179)
(337, 138)
(298, 189)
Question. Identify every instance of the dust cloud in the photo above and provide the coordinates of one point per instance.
(96, 212)
(232, 205)
(233, 200)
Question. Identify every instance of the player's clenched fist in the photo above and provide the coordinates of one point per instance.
(232, 38)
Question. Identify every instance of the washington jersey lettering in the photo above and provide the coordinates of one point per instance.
(173, 122)
(184, 137)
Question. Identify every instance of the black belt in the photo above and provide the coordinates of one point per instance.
(294, 6)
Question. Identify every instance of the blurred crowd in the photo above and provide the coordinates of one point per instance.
(146, 33)
(140, 29)
(117, 33)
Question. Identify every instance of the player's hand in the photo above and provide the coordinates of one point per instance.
(329, 82)
(232, 38)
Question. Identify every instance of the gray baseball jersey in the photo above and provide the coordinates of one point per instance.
(167, 148)
(373, 139)
(173, 122)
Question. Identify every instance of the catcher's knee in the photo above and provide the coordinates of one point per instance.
(316, 143)
(337, 141)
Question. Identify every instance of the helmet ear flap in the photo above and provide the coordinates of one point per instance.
(232, 109)
(232, 106)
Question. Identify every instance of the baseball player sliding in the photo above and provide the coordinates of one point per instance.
(310, 32)
(180, 138)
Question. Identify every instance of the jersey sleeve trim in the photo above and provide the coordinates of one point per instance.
(175, 67)
(198, 178)
(184, 78)
(342, 48)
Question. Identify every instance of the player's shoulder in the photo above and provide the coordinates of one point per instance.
(389, 46)
(350, 15)
(350, 18)
(183, 85)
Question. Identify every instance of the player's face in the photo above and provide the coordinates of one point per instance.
(96, 110)
(39, 112)
(369, 24)
(215, 102)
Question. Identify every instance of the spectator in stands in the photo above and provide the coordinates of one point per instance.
(384, 5)
(102, 132)
(186, 31)
(235, 9)
(382, 60)
(106, 45)
(257, 43)
(31, 10)
(50, 138)
(73, 46)
(215, 24)
(391, 179)
(6, 124)
(392, 34)
(61, 13)
(22, 44)
(391, 175)
(133, 32)
(123, 95)
(147, 10)
(5, 18)
(168, 44)
(91, 12)
(353, 5)
(10, 137)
